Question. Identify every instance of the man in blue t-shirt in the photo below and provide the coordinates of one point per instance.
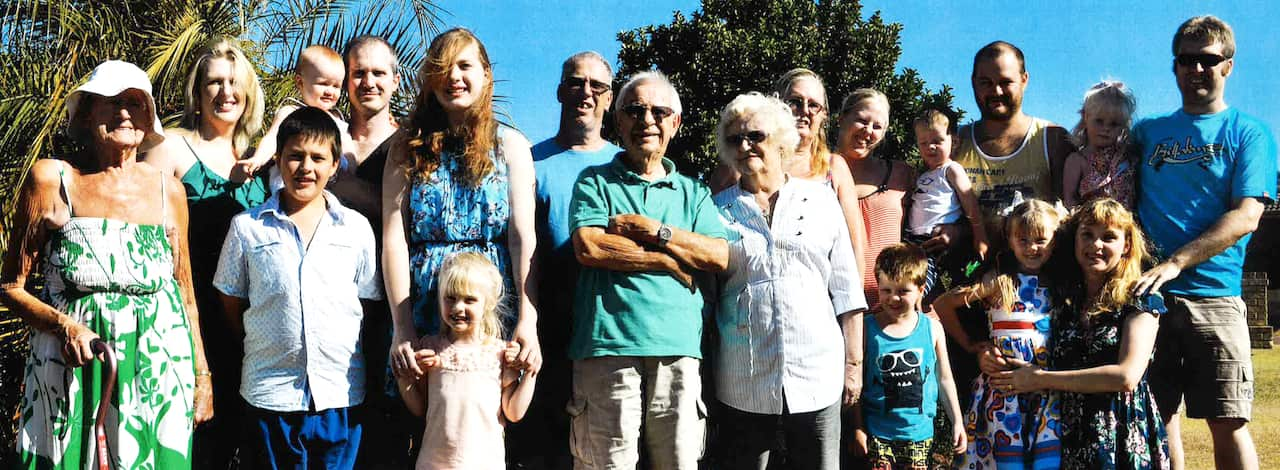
(541, 440)
(1205, 175)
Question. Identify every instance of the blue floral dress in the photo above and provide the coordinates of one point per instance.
(448, 216)
(1015, 430)
(1119, 430)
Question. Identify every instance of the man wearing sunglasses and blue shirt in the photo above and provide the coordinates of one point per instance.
(541, 439)
(646, 236)
(1206, 171)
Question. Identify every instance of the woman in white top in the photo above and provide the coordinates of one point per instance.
(792, 270)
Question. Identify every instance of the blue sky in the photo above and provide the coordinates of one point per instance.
(1069, 45)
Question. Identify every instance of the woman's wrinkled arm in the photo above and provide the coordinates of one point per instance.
(177, 204)
(40, 206)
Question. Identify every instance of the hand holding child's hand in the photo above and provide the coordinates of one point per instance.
(426, 358)
(1023, 378)
(510, 353)
(990, 360)
(403, 362)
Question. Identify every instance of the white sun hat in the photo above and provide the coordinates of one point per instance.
(112, 78)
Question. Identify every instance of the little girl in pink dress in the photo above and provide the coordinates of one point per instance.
(468, 393)
(1102, 167)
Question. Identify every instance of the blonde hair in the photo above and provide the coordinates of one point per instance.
(1106, 95)
(903, 262)
(780, 125)
(245, 81)
(1106, 212)
(1032, 217)
(315, 54)
(427, 128)
(1207, 28)
(819, 154)
(471, 273)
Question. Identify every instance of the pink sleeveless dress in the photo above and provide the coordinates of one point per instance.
(464, 408)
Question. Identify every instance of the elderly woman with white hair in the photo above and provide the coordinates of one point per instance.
(109, 237)
(792, 278)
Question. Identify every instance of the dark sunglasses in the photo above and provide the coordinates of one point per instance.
(578, 84)
(797, 105)
(637, 111)
(753, 137)
(1205, 60)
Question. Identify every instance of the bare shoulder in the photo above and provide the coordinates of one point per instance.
(903, 173)
(513, 141)
(46, 173)
(1076, 158)
(172, 154)
(939, 335)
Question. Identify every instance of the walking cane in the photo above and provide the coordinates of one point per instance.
(104, 402)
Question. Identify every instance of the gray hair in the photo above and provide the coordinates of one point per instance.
(573, 60)
(778, 121)
(648, 76)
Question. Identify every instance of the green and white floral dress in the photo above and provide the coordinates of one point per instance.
(117, 278)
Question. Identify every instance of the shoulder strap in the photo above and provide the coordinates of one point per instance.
(65, 188)
(164, 199)
(192, 150)
(888, 174)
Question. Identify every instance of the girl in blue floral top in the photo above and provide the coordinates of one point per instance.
(1103, 337)
(455, 180)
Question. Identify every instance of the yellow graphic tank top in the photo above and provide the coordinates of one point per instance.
(997, 179)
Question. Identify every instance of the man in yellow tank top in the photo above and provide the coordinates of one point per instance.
(1007, 151)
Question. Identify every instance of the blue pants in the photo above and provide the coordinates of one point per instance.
(325, 439)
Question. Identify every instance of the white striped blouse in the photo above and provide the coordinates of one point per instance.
(779, 300)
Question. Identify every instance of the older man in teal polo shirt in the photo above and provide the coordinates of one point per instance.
(643, 234)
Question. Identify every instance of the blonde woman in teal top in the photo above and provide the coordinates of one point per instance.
(223, 113)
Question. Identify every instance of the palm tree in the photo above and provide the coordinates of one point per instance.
(50, 46)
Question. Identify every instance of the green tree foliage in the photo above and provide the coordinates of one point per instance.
(731, 47)
(50, 46)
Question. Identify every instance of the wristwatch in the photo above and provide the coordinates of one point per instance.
(664, 235)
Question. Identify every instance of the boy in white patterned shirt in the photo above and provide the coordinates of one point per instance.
(292, 274)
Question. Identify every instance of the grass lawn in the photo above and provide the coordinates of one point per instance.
(1265, 426)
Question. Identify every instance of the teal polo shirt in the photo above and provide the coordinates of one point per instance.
(650, 313)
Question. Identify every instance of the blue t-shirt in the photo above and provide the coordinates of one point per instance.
(1193, 169)
(900, 383)
(556, 169)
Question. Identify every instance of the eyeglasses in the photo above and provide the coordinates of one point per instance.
(637, 111)
(579, 83)
(798, 104)
(1207, 61)
(752, 137)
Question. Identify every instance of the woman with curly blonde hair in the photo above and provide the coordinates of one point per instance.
(456, 180)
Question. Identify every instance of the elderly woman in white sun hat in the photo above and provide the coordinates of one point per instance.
(108, 235)
(782, 364)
